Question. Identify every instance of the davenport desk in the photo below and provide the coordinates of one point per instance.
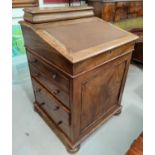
(78, 65)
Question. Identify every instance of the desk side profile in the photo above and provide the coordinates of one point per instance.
(78, 65)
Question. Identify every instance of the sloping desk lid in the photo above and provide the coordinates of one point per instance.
(83, 38)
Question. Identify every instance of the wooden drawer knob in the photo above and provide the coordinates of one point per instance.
(38, 90)
(34, 61)
(59, 123)
(56, 92)
(54, 76)
(56, 108)
(37, 74)
(43, 103)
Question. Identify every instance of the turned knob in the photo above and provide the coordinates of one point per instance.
(54, 76)
(37, 74)
(59, 123)
(38, 90)
(56, 108)
(34, 61)
(43, 103)
(55, 92)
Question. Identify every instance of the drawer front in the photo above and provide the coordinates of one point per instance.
(54, 110)
(53, 74)
(59, 90)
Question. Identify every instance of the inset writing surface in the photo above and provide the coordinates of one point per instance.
(84, 35)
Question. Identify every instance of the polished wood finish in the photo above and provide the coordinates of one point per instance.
(24, 3)
(116, 10)
(138, 50)
(100, 100)
(97, 7)
(78, 77)
(56, 14)
(67, 44)
(120, 10)
(52, 107)
(53, 80)
(137, 146)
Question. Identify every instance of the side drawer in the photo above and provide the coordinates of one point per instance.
(58, 114)
(53, 74)
(55, 89)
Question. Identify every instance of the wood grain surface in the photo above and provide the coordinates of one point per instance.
(24, 3)
(78, 69)
(136, 147)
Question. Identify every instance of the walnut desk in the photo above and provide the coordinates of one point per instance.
(78, 65)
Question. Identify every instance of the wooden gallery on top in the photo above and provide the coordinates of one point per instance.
(78, 65)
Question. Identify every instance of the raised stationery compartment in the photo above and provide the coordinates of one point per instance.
(56, 14)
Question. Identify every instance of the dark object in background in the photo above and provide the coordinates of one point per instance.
(138, 52)
(116, 10)
(137, 146)
(24, 3)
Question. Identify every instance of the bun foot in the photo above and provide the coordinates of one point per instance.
(34, 107)
(118, 112)
(73, 150)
